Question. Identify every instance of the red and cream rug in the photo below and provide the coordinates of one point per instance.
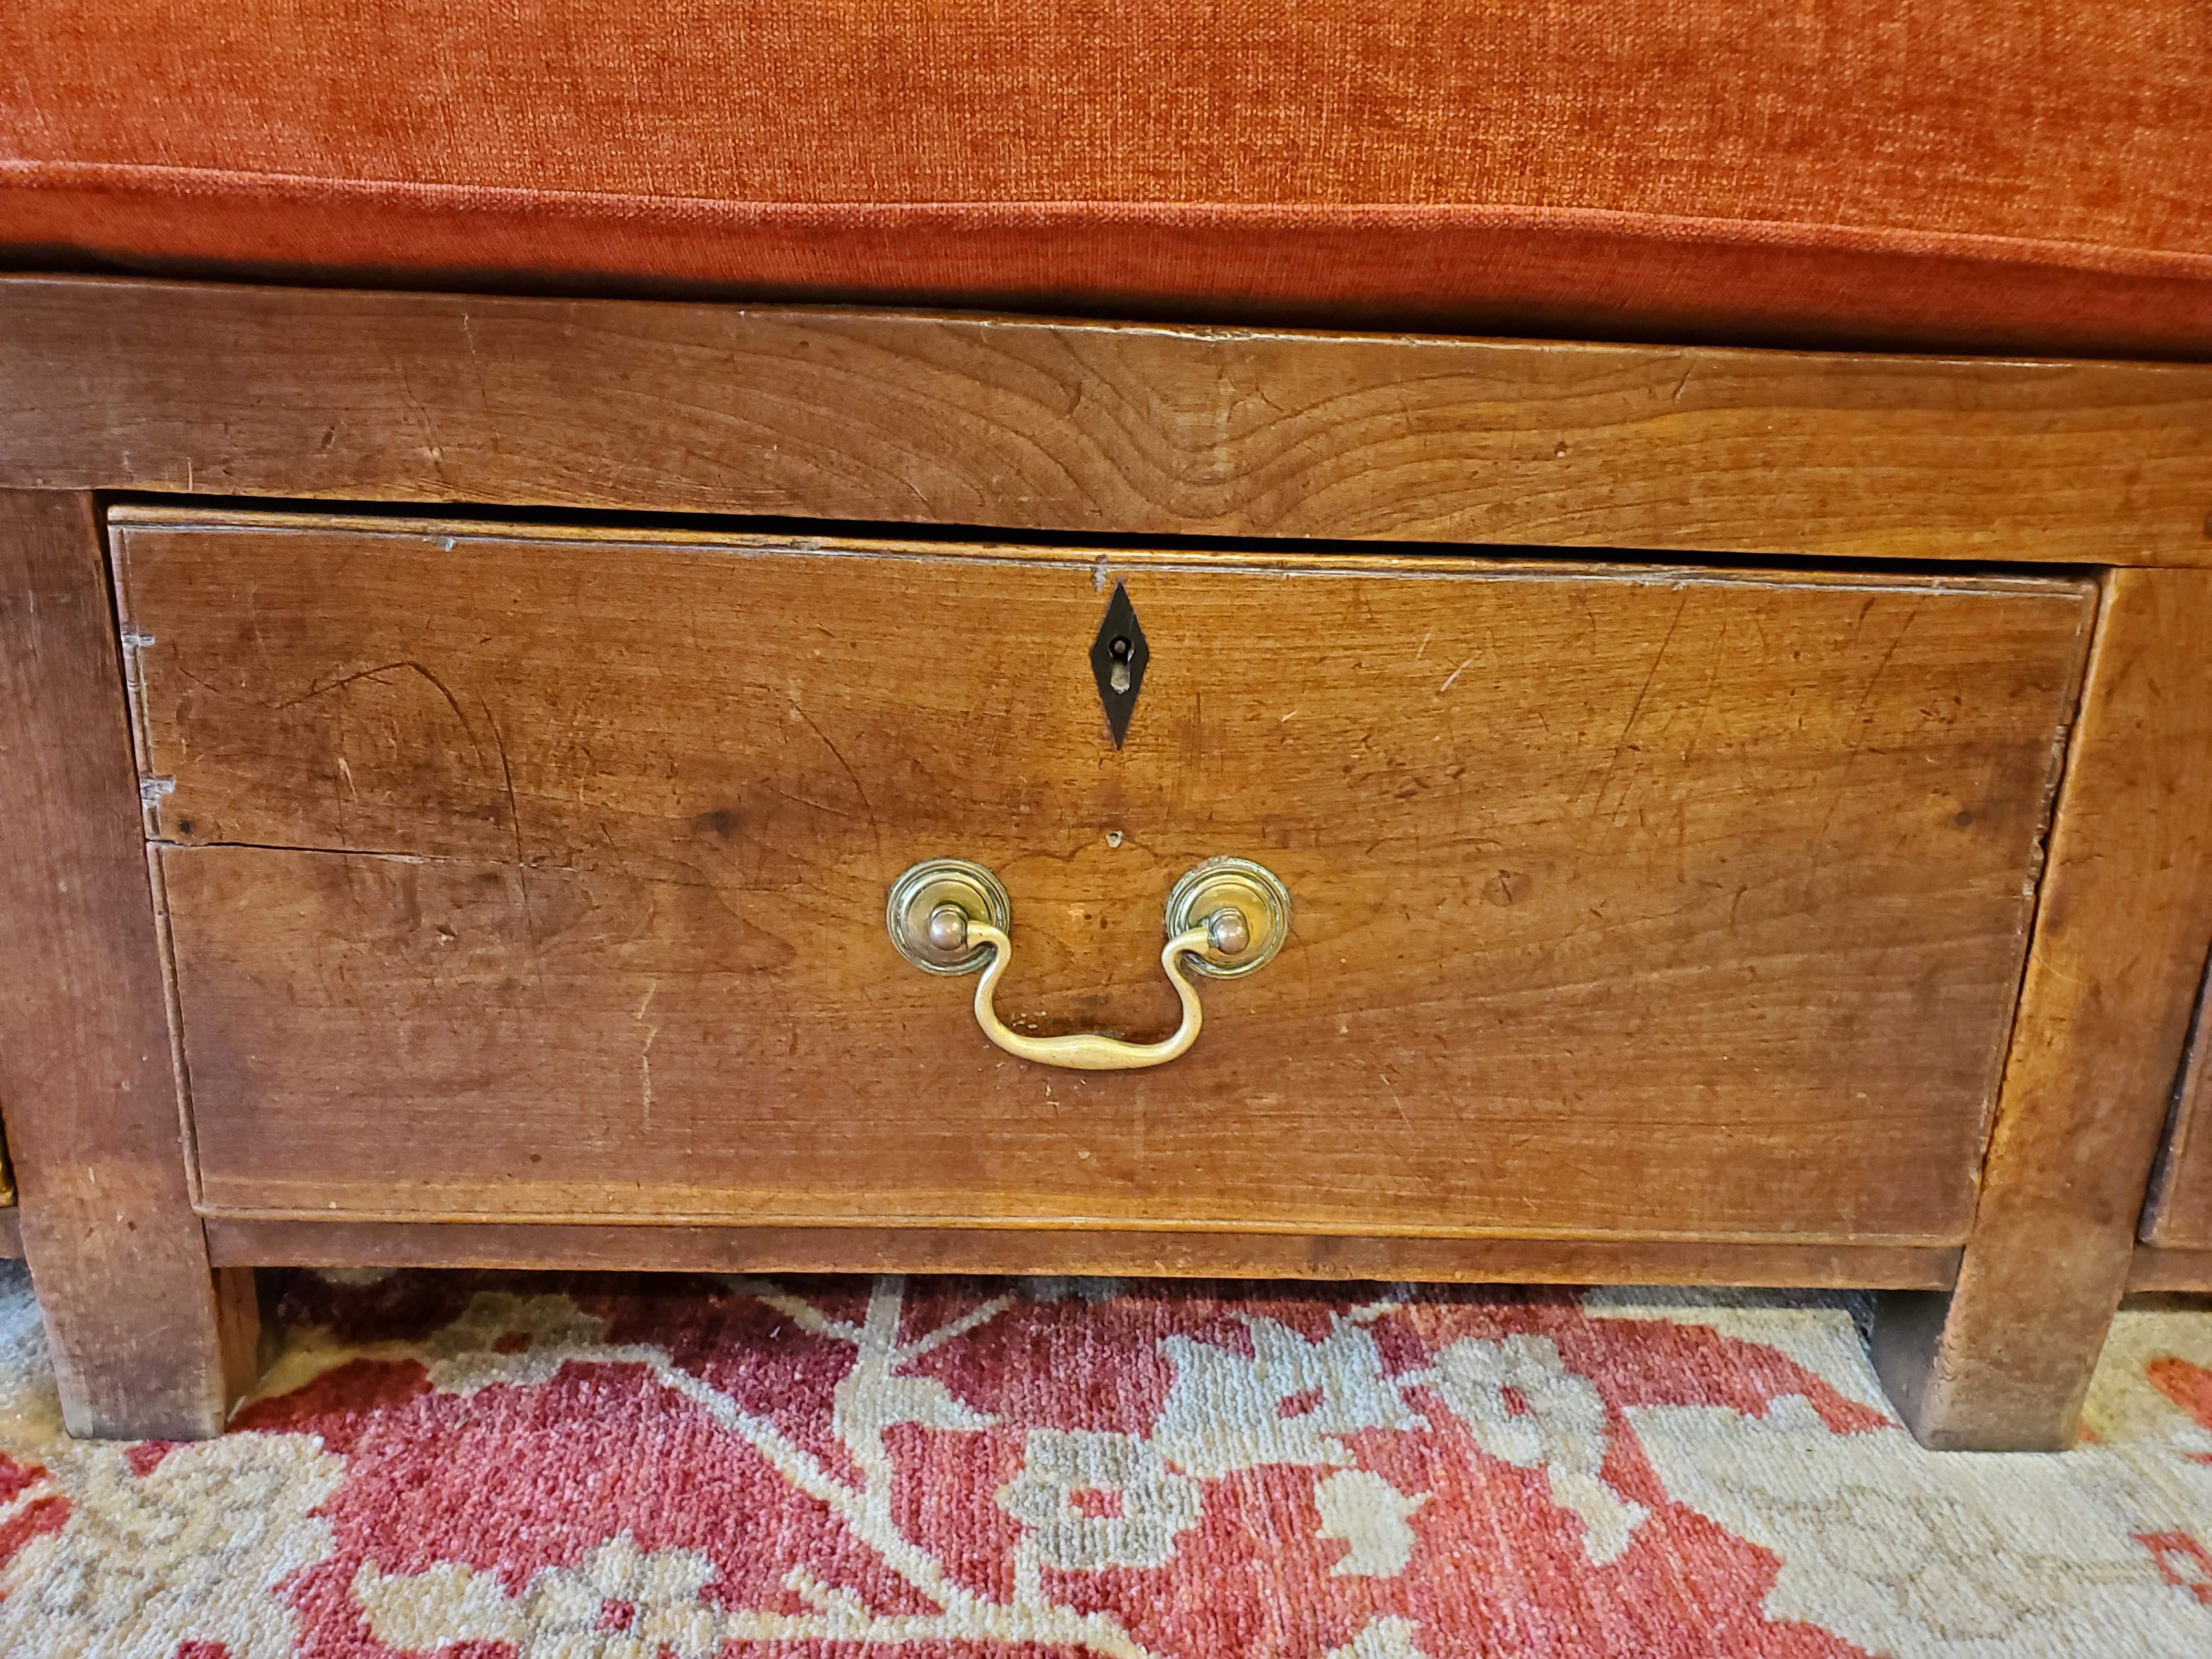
(570, 1467)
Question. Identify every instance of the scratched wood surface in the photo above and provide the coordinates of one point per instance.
(527, 875)
(1024, 425)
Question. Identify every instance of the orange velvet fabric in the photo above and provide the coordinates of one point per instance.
(1981, 173)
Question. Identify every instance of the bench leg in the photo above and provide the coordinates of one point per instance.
(2000, 1362)
(147, 1340)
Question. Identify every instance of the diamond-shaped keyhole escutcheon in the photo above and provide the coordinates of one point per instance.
(1117, 662)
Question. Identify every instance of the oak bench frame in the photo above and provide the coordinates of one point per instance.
(854, 416)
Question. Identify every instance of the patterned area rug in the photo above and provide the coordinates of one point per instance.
(568, 1467)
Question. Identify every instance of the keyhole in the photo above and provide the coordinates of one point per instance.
(1118, 676)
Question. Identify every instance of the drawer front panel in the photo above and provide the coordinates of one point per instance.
(539, 874)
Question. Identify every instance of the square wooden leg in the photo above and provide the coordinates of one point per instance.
(2002, 1361)
(147, 1340)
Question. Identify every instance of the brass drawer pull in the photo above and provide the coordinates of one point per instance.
(1227, 917)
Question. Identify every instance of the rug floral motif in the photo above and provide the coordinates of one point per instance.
(514, 1467)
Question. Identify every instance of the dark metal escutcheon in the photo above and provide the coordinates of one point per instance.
(1118, 656)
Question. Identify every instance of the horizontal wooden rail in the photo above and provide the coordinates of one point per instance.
(989, 1250)
(1039, 426)
(2154, 1269)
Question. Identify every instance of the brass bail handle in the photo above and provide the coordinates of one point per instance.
(1224, 919)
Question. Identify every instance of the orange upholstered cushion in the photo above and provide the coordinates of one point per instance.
(2013, 174)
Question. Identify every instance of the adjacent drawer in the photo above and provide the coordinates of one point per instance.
(535, 873)
(2177, 1214)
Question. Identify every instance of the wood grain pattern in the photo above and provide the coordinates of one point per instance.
(2123, 927)
(11, 1235)
(136, 1324)
(1703, 899)
(1038, 426)
(2178, 1215)
(638, 1248)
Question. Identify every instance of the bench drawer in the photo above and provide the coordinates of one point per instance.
(2178, 1214)
(535, 874)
